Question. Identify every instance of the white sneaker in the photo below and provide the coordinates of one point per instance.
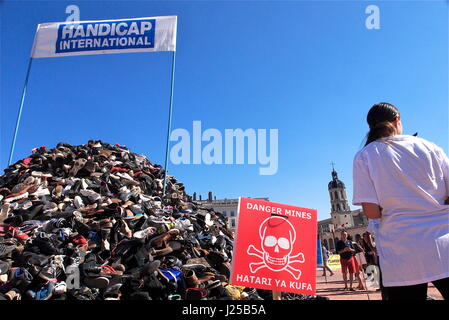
(78, 202)
(40, 192)
(60, 288)
(40, 174)
(21, 196)
(26, 205)
(183, 225)
(144, 233)
(78, 216)
(208, 220)
(124, 190)
(105, 245)
(84, 184)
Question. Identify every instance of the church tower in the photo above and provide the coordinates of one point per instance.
(340, 211)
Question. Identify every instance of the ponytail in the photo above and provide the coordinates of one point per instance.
(380, 120)
(381, 130)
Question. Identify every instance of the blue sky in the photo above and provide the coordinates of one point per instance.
(310, 69)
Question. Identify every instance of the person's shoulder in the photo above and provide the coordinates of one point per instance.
(429, 145)
(361, 154)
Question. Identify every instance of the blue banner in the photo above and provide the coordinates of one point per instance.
(105, 35)
(319, 254)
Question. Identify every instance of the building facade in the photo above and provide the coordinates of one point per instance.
(228, 207)
(354, 222)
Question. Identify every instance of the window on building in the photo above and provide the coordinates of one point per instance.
(233, 222)
(336, 195)
(224, 212)
(232, 214)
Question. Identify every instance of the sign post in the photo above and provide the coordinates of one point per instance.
(19, 115)
(275, 247)
(169, 121)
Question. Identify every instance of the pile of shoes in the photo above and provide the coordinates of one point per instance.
(91, 222)
(295, 296)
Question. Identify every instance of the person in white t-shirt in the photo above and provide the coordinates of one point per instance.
(403, 181)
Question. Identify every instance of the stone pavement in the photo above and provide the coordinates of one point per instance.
(333, 289)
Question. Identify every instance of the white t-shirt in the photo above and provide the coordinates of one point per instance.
(409, 178)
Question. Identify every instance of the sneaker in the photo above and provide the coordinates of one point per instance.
(4, 266)
(44, 292)
(4, 212)
(40, 192)
(45, 244)
(112, 292)
(15, 198)
(96, 282)
(196, 294)
(6, 248)
(93, 196)
(16, 233)
(13, 294)
(52, 271)
(143, 234)
(48, 273)
(60, 288)
(78, 202)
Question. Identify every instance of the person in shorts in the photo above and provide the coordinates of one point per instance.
(348, 265)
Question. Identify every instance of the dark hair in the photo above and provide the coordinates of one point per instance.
(380, 121)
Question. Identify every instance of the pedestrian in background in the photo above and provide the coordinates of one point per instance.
(348, 264)
(359, 262)
(367, 243)
(325, 259)
(404, 181)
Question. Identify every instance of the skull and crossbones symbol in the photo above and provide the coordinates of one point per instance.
(277, 236)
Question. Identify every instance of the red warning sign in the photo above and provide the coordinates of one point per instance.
(275, 247)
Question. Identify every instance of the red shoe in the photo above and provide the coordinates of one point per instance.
(79, 240)
(16, 233)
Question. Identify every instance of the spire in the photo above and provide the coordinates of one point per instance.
(334, 173)
(335, 183)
